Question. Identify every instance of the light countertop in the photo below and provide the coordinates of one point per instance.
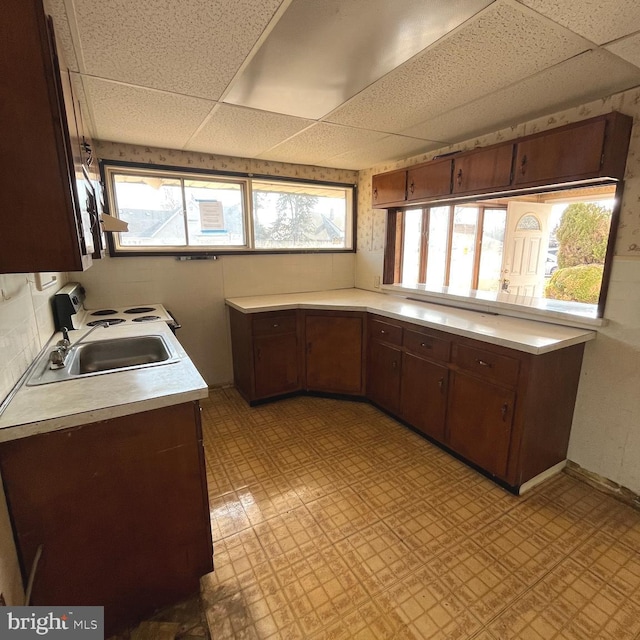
(529, 336)
(70, 403)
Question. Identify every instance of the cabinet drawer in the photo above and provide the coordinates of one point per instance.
(385, 332)
(427, 346)
(486, 363)
(274, 324)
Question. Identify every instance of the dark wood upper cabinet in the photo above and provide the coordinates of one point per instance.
(574, 152)
(588, 151)
(43, 229)
(429, 180)
(483, 170)
(388, 188)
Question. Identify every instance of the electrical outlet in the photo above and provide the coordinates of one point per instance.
(376, 282)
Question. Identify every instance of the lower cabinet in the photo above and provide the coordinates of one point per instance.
(507, 411)
(334, 351)
(480, 421)
(119, 508)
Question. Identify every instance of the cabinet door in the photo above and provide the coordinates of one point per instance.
(37, 162)
(121, 510)
(388, 187)
(334, 353)
(383, 375)
(423, 399)
(573, 153)
(483, 170)
(275, 361)
(429, 181)
(479, 421)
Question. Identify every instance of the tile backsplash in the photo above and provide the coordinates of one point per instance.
(26, 323)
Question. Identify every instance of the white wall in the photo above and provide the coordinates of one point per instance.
(605, 436)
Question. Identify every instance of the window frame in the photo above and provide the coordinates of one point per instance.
(108, 167)
(393, 250)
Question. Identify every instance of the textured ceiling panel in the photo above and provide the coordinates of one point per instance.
(628, 49)
(320, 142)
(321, 53)
(384, 150)
(244, 132)
(143, 116)
(501, 46)
(193, 47)
(579, 80)
(598, 20)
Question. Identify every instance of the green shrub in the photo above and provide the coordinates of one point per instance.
(578, 284)
(583, 234)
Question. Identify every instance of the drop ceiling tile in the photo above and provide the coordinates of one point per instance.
(384, 150)
(598, 20)
(592, 75)
(501, 46)
(236, 131)
(193, 47)
(319, 54)
(627, 48)
(320, 142)
(143, 116)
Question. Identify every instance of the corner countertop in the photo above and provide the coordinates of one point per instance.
(529, 336)
(70, 403)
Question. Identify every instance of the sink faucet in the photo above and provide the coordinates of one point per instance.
(59, 354)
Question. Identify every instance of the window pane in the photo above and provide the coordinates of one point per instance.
(152, 205)
(437, 246)
(214, 213)
(411, 245)
(300, 216)
(465, 220)
(493, 228)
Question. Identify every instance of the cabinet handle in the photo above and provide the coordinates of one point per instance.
(394, 364)
(412, 187)
(482, 363)
(523, 164)
(503, 411)
(441, 384)
(426, 345)
(383, 332)
(275, 325)
(258, 354)
(459, 177)
(375, 193)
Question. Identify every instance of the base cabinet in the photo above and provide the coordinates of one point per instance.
(334, 352)
(120, 509)
(506, 411)
(480, 421)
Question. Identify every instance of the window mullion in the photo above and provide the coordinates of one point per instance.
(449, 246)
(184, 212)
(424, 248)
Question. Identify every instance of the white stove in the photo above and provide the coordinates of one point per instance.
(71, 313)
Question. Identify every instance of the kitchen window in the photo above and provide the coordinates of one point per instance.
(178, 212)
(549, 251)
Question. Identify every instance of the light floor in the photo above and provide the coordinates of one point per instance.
(331, 520)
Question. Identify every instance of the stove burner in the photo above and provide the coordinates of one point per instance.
(146, 318)
(140, 310)
(109, 320)
(103, 312)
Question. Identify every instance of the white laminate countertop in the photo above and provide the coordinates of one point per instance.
(524, 335)
(59, 405)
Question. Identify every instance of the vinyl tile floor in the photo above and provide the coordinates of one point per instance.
(331, 520)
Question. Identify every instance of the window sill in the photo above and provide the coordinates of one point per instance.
(573, 314)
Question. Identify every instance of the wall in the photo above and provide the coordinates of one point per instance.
(195, 291)
(26, 324)
(605, 437)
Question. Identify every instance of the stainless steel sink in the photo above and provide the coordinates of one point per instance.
(105, 356)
